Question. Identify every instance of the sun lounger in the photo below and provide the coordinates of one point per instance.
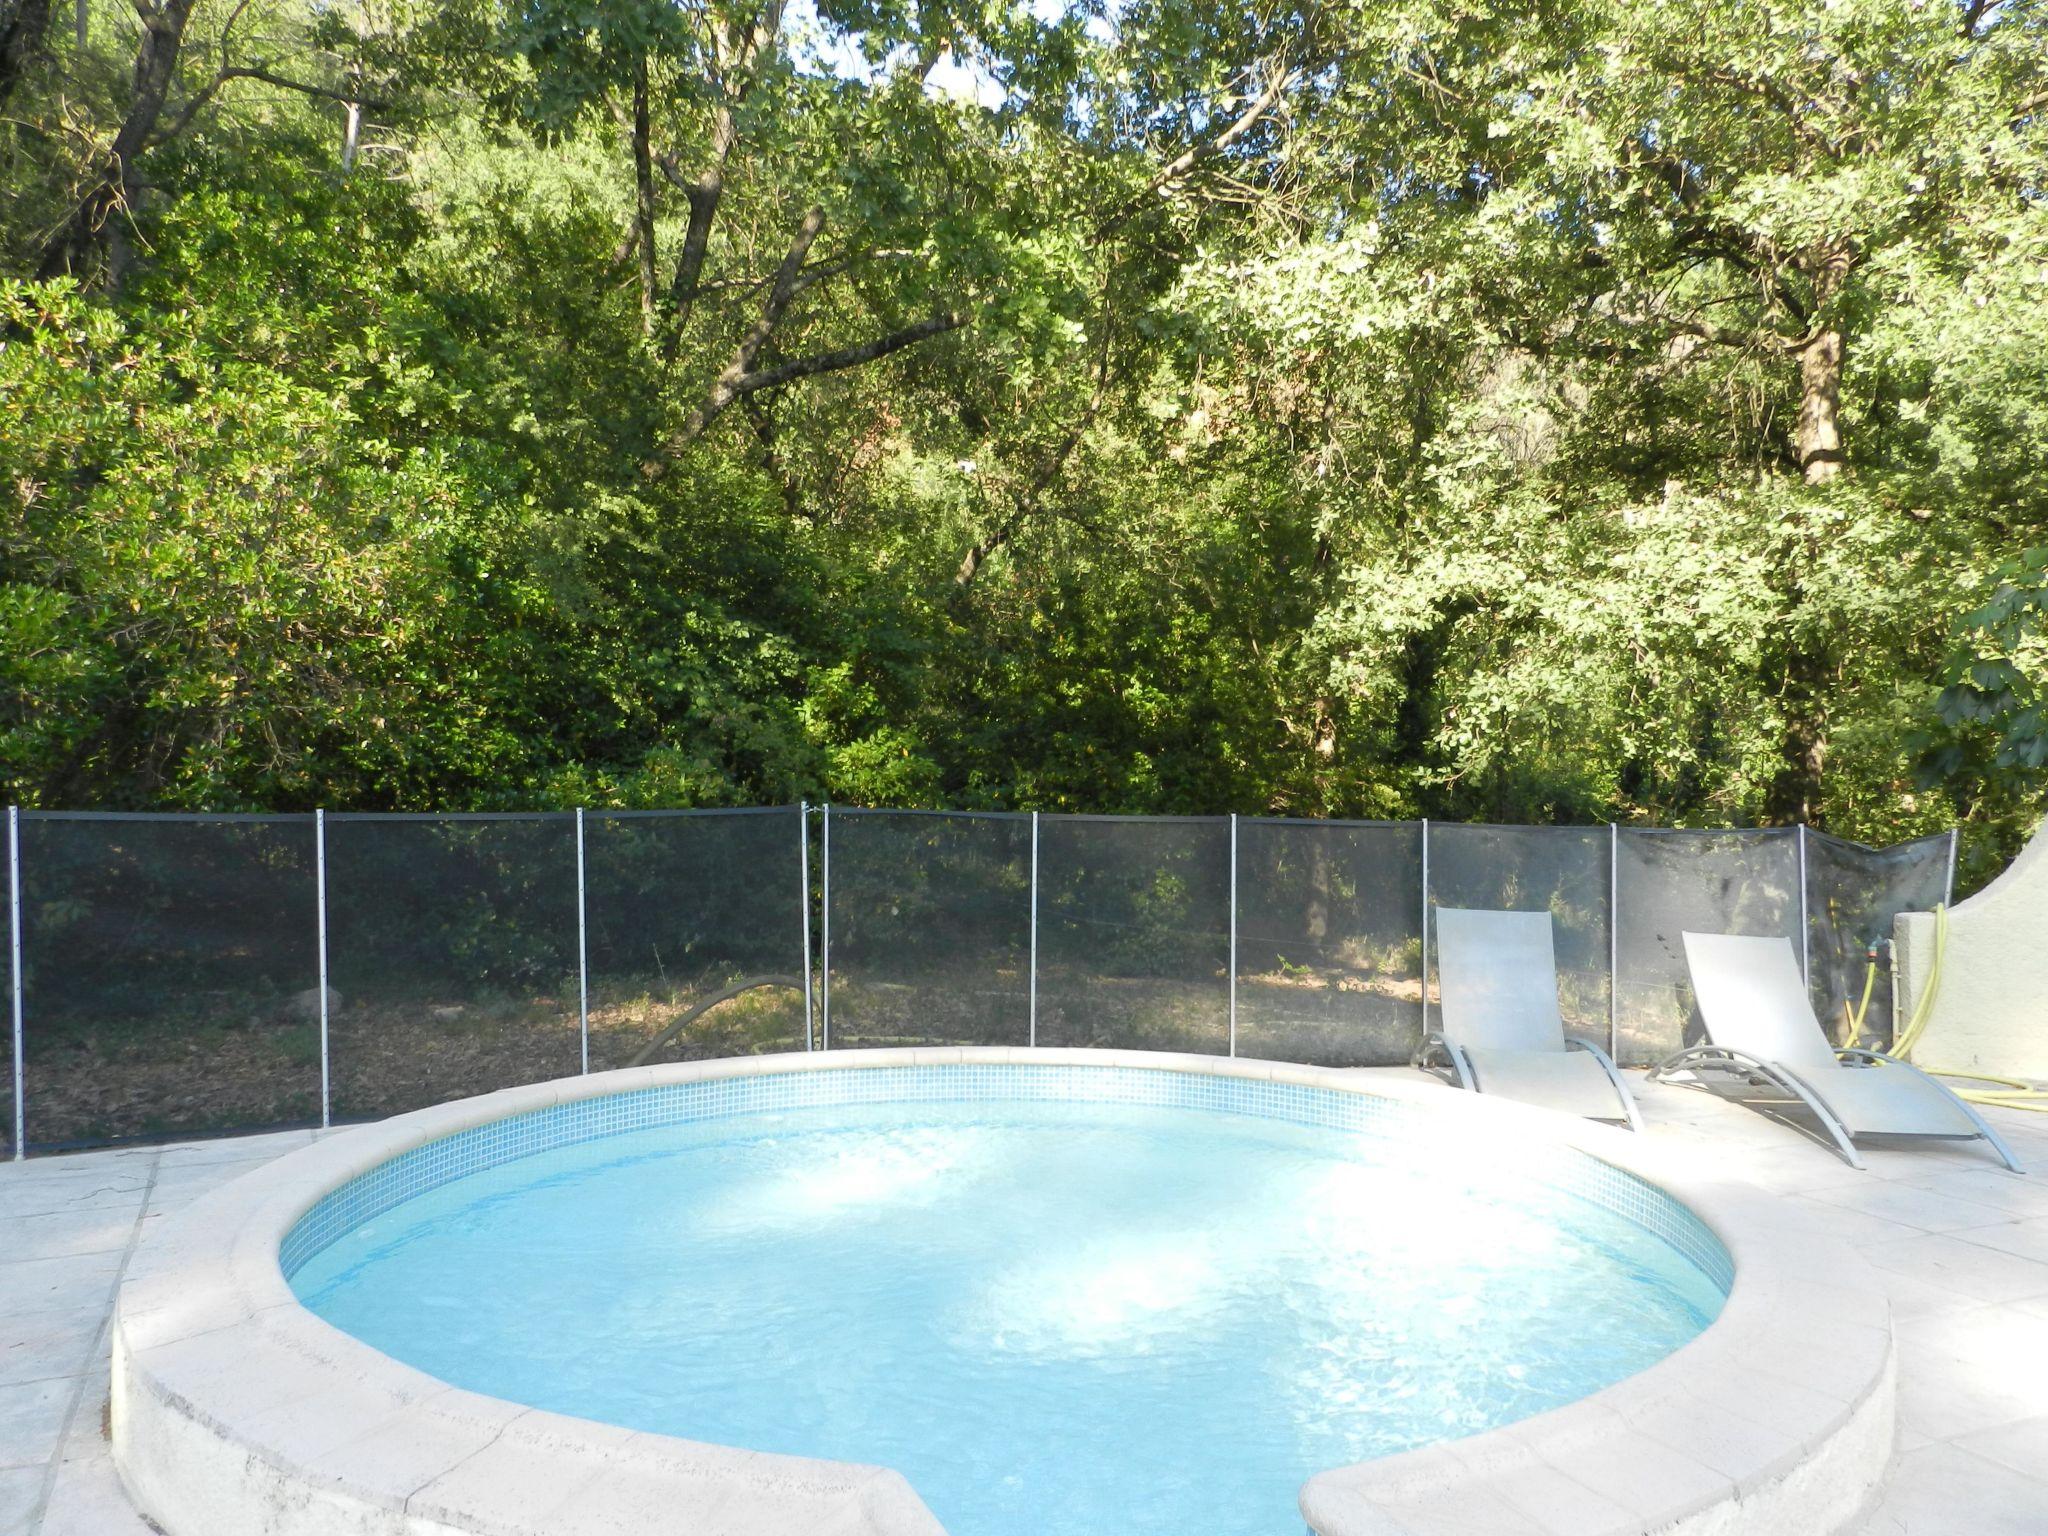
(1761, 1029)
(1501, 1031)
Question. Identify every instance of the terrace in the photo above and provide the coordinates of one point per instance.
(1023, 939)
(1960, 1248)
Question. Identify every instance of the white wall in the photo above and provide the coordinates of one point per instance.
(1991, 1007)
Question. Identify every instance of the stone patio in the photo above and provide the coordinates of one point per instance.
(1963, 1243)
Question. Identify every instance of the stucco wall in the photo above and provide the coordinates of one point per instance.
(1991, 1003)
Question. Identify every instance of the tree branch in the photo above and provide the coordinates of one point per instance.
(1769, 91)
(1027, 505)
(853, 356)
(787, 285)
(228, 72)
(1205, 149)
(730, 389)
(304, 88)
(1032, 501)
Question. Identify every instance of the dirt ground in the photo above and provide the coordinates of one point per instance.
(236, 1067)
(223, 1064)
(228, 1066)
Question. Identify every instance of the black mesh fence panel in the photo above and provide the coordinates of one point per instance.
(170, 963)
(452, 946)
(170, 976)
(1560, 870)
(1329, 941)
(682, 907)
(1706, 882)
(1852, 895)
(1134, 932)
(931, 929)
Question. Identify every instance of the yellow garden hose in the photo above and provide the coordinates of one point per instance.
(1853, 1020)
(2011, 1092)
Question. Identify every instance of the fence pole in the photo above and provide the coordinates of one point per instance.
(582, 950)
(1425, 925)
(320, 920)
(1805, 930)
(825, 927)
(14, 951)
(803, 847)
(1034, 928)
(1233, 933)
(1948, 889)
(1613, 939)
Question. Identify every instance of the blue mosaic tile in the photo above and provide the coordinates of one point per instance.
(483, 1147)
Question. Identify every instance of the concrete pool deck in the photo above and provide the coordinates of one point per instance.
(1962, 1247)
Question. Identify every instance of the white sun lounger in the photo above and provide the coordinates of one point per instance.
(1761, 1028)
(1501, 1031)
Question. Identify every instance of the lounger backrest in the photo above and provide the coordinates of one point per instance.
(1497, 980)
(1754, 1000)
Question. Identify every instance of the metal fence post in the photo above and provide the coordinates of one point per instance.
(1948, 889)
(1613, 939)
(320, 919)
(825, 927)
(14, 951)
(1233, 933)
(803, 847)
(1425, 925)
(1805, 929)
(1034, 928)
(582, 950)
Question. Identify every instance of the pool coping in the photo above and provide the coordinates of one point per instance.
(235, 1410)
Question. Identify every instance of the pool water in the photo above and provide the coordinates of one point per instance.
(1079, 1319)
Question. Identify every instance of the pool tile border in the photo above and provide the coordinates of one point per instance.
(236, 1410)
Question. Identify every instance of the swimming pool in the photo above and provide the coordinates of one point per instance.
(1061, 1300)
(237, 1411)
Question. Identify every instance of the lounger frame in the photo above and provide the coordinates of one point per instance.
(1705, 1058)
(1445, 1059)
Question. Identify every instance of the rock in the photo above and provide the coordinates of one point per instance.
(304, 1007)
(447, 1013)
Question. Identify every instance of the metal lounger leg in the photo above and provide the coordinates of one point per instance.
(1458, 1066)
(1786, 1078)
(1700, 1058)
(1628, 1100)
(1997, 1143)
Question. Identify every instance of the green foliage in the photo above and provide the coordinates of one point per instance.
(1431, 445)
(1992, 727)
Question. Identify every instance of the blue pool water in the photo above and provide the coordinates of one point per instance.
(1056, 1319)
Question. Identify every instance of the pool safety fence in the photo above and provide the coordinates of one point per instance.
(209, 974)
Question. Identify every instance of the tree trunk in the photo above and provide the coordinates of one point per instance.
(93, 230)
(1414, 725)
(741, 50)
(643, 195)
(1794, 795)
(1819, 438)
(1795, 792)
(23, 26)
(703, 196)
